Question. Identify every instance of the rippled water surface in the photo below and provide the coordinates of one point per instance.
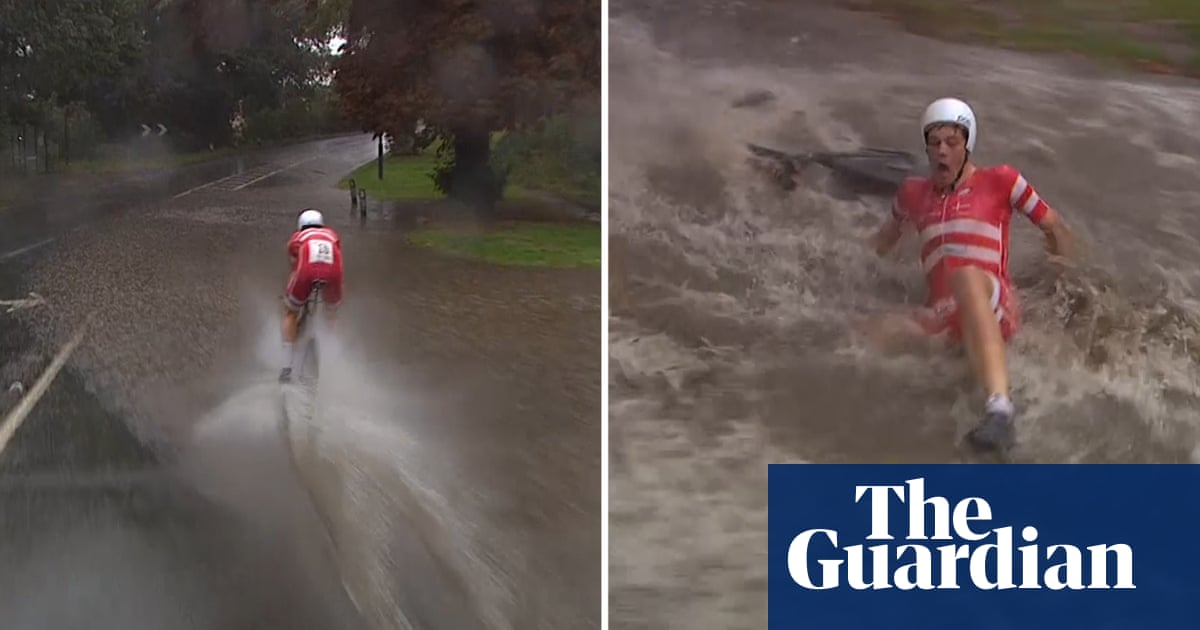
(731, 299)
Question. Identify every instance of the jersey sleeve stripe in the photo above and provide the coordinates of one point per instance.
(1027, 201)
(1018, 190)
(1031, 203)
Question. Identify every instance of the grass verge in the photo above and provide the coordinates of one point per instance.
(1160, 36)
(529, 179)
(518, 243)
(407, 178)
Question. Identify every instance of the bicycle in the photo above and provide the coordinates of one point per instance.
(307, 375)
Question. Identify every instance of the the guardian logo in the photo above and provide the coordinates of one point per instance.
(916, 565)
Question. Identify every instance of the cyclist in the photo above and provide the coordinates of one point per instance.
(962, 213)
(315, 252)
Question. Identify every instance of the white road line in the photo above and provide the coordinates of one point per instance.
(275, 172)
(194, 189)
(212, 183)
(17, 252)
(13, 420)
(236, 175)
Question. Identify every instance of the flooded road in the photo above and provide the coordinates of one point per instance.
(450, 461)
(730, 343)
(100, 532)
(62, 205)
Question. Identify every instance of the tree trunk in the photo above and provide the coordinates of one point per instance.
(379, 138)
(472, 179)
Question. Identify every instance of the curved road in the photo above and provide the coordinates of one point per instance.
(454, 455)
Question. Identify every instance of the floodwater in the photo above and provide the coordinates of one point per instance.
(444, 475)
(732, 300)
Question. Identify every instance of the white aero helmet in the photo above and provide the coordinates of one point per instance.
(953, 112)
(310, 218)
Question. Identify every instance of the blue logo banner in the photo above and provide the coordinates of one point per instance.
(1012, 547)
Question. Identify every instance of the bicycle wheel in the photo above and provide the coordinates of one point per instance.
(309, 362)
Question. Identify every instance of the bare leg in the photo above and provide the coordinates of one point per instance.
(291, 321)
(981, 332)
(290, 331)
(984, 344)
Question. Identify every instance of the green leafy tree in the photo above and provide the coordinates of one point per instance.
(54, 53)
(467, 68)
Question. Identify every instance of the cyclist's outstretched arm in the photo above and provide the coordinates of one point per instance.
(1059, 241)
(1025, 200)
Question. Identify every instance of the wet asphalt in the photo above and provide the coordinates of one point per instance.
(457, 464)
(95, 532)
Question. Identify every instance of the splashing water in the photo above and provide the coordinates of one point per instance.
(406, 556)
(731, 299)
(428, 531)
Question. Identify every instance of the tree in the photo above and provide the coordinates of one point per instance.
(323, 19)
(188, 64)
(53, 54)
(467, 68)
(205, 59)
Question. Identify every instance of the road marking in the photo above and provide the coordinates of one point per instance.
(17, 252)
(236, 175)
(195, 188)
(275, 172)
(13, 420)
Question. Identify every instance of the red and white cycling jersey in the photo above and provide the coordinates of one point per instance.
(318, 256)
(968, 227)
